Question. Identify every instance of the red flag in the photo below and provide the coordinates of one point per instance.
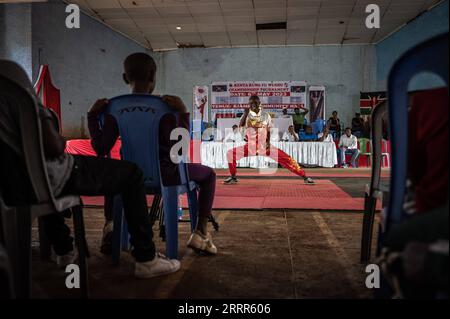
(48, 93)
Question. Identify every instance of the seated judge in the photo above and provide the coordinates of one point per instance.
(325, 136)
(234, 136)
(308, 135)
(290, 135)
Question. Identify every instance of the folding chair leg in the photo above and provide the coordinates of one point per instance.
(125, 243)
(170, 198)
(18, 246)
(83, 253)
(367, 229)
(154, 208)
(44, 244)
(117, 230)
(7, 290)
(162, 228)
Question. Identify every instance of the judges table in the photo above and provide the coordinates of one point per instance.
(214, 154)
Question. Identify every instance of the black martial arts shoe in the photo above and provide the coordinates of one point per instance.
(230, 180)
(308, 180)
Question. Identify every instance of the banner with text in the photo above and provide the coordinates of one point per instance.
(229, 99)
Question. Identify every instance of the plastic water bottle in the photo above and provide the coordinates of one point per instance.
(180, 209)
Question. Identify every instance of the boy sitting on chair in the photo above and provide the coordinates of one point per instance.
(76, 175)
(139, 74)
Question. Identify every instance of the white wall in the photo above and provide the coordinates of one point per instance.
(344, 70)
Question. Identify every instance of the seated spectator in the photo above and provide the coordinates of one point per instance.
(299, 119)
(308, 135)
(234, 136)
(334, 123)
(348, 144)
(357, 125)
(78, 175)
(139, 73)
(367, 126)
(325, 136)
(290, 135)
(285, 114)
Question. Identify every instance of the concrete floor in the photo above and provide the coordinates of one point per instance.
(262, 254)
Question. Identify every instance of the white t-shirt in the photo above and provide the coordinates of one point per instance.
(329, 138)
(350, 142)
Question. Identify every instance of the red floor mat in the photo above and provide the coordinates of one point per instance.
(310, 173)
(275, 194)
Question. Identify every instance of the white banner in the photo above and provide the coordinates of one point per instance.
(200, 104)
(230, 98)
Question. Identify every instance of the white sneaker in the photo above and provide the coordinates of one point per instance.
(202, 243)
(159, 266)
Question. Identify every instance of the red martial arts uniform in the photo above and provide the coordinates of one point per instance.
(257, 125)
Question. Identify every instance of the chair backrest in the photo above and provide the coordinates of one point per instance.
(429, 56)
(364, 145)
(17, 88)
(138, 117)
(376, 133)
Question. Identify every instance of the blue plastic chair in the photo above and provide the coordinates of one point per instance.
(429, 56)
(138, 117)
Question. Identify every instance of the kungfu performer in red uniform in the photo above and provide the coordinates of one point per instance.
(257, 124)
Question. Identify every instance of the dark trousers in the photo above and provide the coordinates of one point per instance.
(203, 176)
(94, 176)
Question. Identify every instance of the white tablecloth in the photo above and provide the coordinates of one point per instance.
(214, 154)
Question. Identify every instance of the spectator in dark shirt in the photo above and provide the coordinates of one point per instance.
(139, 74)
(334, 124)
(367, 127)
(357, 125)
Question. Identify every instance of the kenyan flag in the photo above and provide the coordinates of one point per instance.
(368, 100)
